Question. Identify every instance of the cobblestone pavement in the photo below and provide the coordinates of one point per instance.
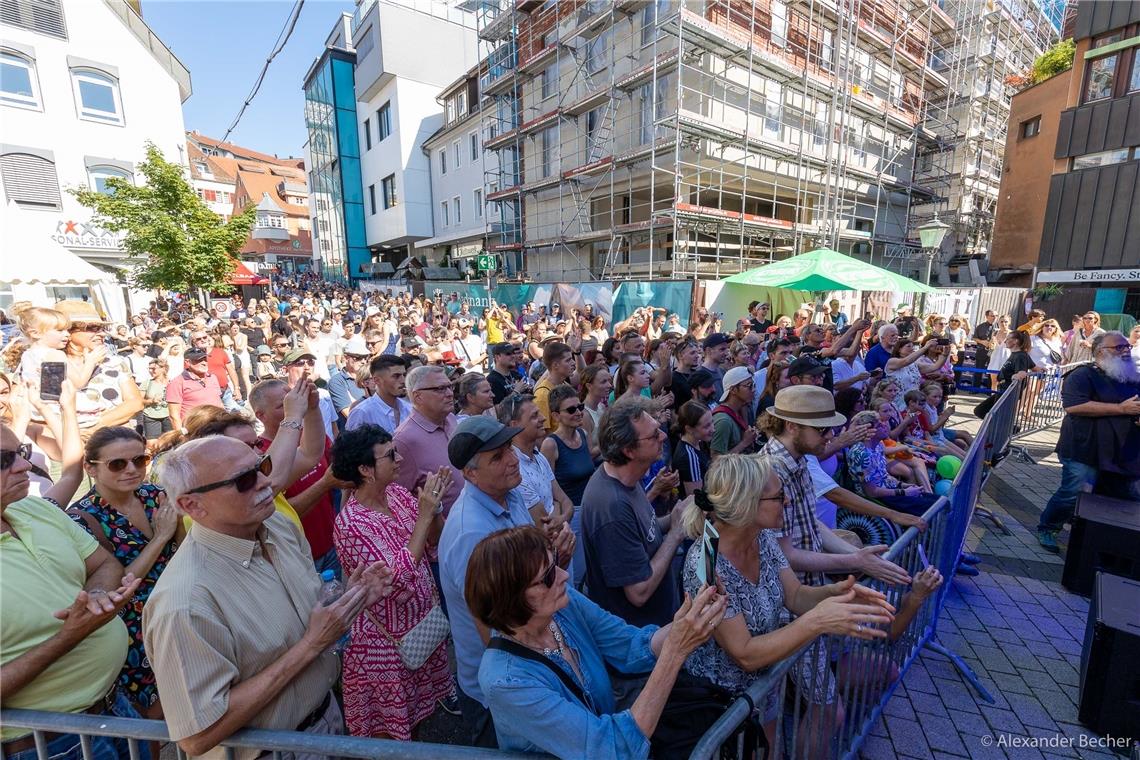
(1014, 625)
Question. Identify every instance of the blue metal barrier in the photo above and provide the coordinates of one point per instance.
(259, 740)
(863, 675)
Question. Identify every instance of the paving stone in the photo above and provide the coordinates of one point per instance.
(1003, 720)
(918, 680)
(1058, 704)
(956, 695)
(908, 737)
(927, 704)
(940, 734)
(1030, 712)
(994, 659)
(898, 708)
(1038, 679)
(1021, 657)
(969, 723)
(877, 748)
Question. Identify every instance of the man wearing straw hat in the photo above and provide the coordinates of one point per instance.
(800, 423)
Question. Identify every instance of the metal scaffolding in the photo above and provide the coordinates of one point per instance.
(700, 138)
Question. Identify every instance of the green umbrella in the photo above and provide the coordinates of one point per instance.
(823, 270)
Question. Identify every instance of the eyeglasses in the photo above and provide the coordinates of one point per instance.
(85, 327)
(1123, 349)
(780, 497)
(1088, 318)
(118, 465)
(243, 481)
(389, 454)
(281, 345)
(304, 363)
(549, 575)
(437, 388)
(573, 409)
(655, 437)
(8, 458)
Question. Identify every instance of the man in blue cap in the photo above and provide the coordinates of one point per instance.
(481, 449)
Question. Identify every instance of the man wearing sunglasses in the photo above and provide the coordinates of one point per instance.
(62, 642)
(234, 629)
(302, 363)
(194, 387)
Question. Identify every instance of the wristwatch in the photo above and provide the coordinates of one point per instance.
(292, 424)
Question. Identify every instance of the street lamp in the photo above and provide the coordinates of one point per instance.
(930, 236)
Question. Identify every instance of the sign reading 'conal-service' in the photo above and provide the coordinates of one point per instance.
(1091, 276)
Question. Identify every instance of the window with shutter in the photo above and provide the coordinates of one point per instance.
(30, 181)
(42, 16)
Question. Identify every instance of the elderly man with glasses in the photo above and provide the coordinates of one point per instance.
(1099, 443)
(194, 387)
(422, 438)
(234, 628)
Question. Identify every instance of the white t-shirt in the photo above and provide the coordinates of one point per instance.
(841, 370)
(823, 483)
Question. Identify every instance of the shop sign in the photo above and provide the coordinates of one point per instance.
(86, 235)
(1091, 276)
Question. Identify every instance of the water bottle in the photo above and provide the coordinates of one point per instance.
(331, 590)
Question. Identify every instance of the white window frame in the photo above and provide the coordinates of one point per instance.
(93, 76)
(388, 190)
(443, 161)
(456, 154)
(17, 100)
(384, 120)
(461, 104)
(368, 134)
(444, 214)
(473, 142)
(477, 202)
(94, 173)
(457, 204)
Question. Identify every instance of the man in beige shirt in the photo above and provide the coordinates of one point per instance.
(233, 628)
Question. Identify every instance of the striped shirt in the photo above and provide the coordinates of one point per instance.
(224, 610)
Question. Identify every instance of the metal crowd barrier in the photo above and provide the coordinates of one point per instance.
(830, 694)
(1039, 407)
(275, 743)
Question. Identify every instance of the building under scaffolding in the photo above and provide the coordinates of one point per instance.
(994, 46)
(697, 139)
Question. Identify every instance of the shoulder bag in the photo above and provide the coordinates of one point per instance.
(418, 644)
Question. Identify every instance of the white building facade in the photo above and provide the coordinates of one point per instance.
(86, 85)
(407, 51)
(458, 172)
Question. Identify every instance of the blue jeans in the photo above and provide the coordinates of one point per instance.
(67, 746)
(1075, 477)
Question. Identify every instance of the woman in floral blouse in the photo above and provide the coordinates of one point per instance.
(132, 520)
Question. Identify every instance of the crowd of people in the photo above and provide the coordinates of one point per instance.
(281, 513)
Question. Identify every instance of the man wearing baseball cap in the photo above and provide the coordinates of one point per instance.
(194, 387)
(301, 362)
(732, 431)
(481, 449)
(798, 424)
(342, 383)
(806, 370)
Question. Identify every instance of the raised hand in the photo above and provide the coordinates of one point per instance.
(696, 620)
(164, 521)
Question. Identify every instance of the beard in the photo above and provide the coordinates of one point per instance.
(1119, 368)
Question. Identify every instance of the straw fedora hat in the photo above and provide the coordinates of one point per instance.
(807, 405)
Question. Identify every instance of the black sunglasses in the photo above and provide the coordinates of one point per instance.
(390, 454)
(118, 465)
(547, 578)
(8, 457)
(573, 409)
(242, 481)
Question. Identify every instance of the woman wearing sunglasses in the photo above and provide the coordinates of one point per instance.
(544, 674)
(132, 520)
(381, 520)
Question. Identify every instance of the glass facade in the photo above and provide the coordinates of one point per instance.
(335, 189)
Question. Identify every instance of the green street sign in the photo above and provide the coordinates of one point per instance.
(484, 262)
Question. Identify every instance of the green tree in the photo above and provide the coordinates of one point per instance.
(173, 240)
(1053, 61)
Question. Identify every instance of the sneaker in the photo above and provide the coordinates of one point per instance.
(450, 705)
(1048, 541)
(968, 570)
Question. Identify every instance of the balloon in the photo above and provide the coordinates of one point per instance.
(942, 487)
(948, 466)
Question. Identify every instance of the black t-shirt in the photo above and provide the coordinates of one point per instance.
(621, 535)
(1018, 361)
(680, 389)
(690, 463)
(1110, 443)
(254, 336)
(282, 326)
(984, 331)
(760, 326)
(500, 385)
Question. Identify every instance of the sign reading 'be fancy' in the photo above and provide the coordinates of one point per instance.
(1096, 276)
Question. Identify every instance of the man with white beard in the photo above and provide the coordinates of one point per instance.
(1100, 434)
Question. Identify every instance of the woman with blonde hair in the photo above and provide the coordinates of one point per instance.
(1046, 347)
(1080, 347)
(743, 500)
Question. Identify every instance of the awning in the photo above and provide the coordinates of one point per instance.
(243, 276)
(30, 261)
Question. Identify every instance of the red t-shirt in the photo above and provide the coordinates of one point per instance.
(318, 521)
(216, 361)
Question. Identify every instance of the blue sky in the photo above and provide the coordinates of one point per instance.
(224, 44)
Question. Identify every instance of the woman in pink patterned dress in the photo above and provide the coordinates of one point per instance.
(382, 521)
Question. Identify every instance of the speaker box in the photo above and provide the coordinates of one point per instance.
(1110, 662)
(1105, 536)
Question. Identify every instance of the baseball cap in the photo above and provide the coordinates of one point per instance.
(733, 378)
(194, 355)
(296, 355)
(806, 365)
(499, 349)
(476, 434)
(716, 339)
(702, 378)
(675, 330)
(354, 346)
(263, 350)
